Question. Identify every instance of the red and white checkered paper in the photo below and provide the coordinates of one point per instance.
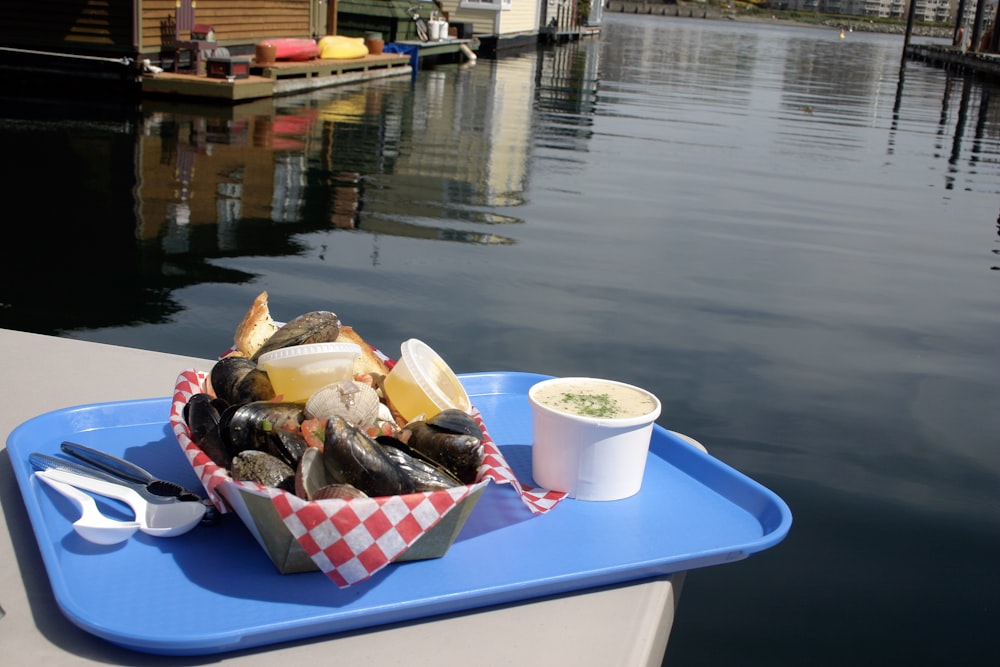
(350, 540)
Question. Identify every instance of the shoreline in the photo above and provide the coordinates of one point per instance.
(699, 10)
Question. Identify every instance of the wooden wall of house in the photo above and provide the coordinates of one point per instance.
(235, 21)
(484, 21)
(106, 27)
(355, 18)
(99, 27)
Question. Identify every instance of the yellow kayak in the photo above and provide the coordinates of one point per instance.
(338, 47)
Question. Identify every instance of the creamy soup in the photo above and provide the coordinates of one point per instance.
(594, 398)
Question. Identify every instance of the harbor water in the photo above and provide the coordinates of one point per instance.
(785, 235)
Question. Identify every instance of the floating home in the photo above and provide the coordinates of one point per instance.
(115, 43)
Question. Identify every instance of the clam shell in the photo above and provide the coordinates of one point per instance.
(355, 402)
(310, 476)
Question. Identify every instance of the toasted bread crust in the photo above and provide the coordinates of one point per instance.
(369, 362)
(257, 326)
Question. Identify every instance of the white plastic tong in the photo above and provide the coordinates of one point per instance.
(162, 508)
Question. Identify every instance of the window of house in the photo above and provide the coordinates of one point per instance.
(495, 5)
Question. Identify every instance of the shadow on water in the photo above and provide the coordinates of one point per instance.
(147, 200)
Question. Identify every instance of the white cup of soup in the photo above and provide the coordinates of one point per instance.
(590, 437)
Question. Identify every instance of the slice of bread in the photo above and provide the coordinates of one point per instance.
(369, 362)
(256, 327)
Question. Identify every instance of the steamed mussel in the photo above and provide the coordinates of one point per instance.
(351, 457)
(318, 326)
(238, 380)
(223, 431)
(202, 413)
(263, 468)
(312, 482)
(452, 439)
(262, 441)
(258, 437)
(266, 426)
(427, 475)
(380, 466)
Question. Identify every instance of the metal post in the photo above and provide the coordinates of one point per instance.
(977, 26)
(995, 41)
(909, 30)
(958, 35)
(331, 17)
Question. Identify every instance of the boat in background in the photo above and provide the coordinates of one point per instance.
(294, 48)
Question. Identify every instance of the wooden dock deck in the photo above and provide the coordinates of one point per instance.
(955, 59)
(291, 77)
(280, 78)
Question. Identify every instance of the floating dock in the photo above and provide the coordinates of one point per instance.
(955, 59)
(292, 77)
(276, 79)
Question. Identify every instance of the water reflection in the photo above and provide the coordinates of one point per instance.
(791, 241)
(384, 158)
(952, 125)
(455, 155)
(439, 161)
(178, 187)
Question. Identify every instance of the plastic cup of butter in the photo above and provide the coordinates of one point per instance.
(422, 383)
(298, 371)
(590, 437)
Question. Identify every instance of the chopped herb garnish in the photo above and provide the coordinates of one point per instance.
(590, 405)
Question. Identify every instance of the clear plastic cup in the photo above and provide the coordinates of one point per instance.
(421, 383)
(297, 372)
(590, 437)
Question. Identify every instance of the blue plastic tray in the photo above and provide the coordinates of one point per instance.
(215, 590)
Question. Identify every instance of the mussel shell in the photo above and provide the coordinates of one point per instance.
(202, 414)
(426, 475)
(255, 386)
(455, 420)
(264, 469)
(266, 426)
(288, 446)
(213, 447)
(318, 326)
(312, 483)
(226, 374)
(460, 453)
(351, 457)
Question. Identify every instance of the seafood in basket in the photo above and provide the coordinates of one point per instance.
(339, 482)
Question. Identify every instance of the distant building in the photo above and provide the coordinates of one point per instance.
(942, 11)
